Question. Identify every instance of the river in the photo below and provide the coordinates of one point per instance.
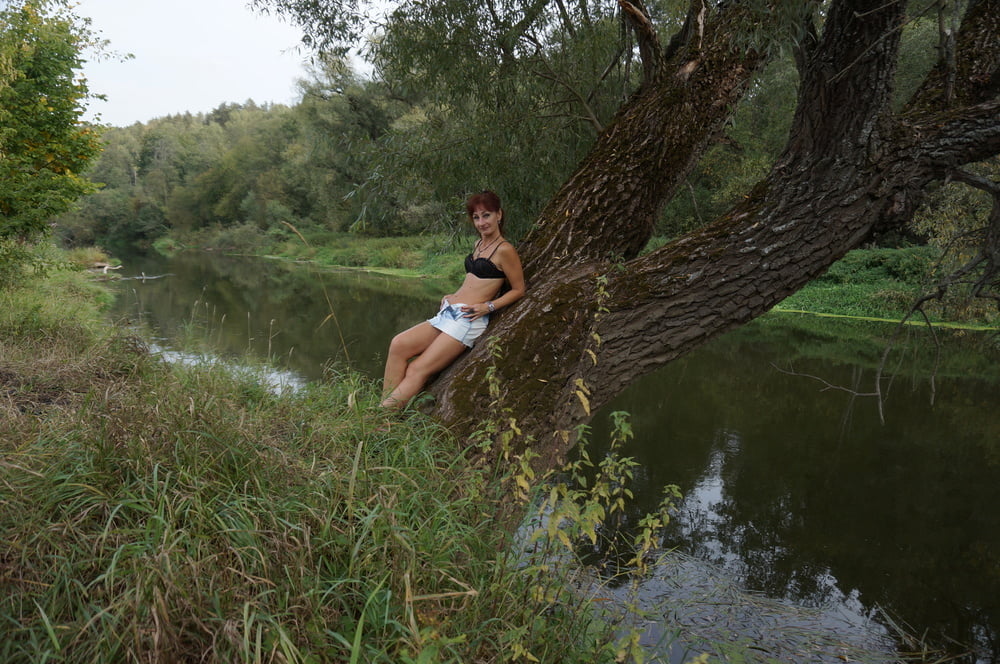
(803, 495)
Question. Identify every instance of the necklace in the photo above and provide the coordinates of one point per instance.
(482, 250)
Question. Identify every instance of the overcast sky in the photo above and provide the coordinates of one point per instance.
(190, 55)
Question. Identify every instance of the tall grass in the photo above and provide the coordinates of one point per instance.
(196, 515)
(188, 513)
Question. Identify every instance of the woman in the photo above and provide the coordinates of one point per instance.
(425, 349)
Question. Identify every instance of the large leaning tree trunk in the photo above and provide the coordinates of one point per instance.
(598, 315)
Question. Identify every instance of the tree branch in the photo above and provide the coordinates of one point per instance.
(990, 249)
(531, 14)
(826, 384)
(974, 77)
(590, 116)
(891, 344)
(953, 121)
(608, 207)
(615, 59)
(567, 23)
(649, 42)
(946, 49)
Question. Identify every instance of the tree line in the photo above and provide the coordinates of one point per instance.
(397, 154)
(359, 155)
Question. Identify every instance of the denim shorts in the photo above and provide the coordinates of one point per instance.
(452, 321)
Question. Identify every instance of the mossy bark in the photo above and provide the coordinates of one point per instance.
(597, 315)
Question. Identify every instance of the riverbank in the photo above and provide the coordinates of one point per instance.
(156, 512)
(437, 256)
(870, 284)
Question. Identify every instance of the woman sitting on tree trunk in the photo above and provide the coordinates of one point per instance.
(425, 349)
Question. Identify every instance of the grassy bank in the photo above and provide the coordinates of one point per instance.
(437, 255)
(171, 513)
(883, 284)
(877, 284)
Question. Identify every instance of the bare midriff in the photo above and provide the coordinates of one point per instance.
(475, 290)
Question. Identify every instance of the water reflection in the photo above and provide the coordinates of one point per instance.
(300, 318)
(798, 491)
(275, 380)
(792, 487)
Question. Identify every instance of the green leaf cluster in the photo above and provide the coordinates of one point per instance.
(44, 145)
(243, 173)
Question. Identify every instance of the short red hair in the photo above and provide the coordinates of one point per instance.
(485, 199)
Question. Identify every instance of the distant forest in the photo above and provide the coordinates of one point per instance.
(378, 159)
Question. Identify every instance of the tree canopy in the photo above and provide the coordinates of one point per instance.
(44, 145)
(242, 171)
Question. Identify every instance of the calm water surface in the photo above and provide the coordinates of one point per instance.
(795, 489)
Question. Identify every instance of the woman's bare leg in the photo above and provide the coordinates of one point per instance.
(404, 346)
(442, 351)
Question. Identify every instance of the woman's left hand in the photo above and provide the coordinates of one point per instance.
(475, 311)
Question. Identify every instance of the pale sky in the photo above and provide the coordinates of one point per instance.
(190, 55)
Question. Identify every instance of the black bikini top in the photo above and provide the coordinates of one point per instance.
(484, 268)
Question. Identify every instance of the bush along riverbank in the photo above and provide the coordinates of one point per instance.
(884, 284)
(156, 512)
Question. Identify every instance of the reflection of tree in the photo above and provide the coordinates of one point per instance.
(282, 311)
(802, 494)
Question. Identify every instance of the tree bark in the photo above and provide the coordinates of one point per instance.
(598, 315)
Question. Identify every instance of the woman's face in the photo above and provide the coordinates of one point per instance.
(487, 222)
